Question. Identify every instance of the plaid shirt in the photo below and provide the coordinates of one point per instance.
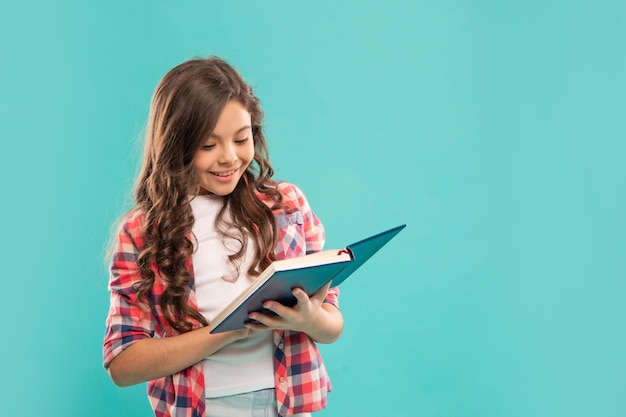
(300, 377)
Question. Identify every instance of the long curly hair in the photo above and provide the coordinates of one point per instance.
(184, 110)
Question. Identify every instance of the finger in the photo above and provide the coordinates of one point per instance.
(263, 320)
(301, 296)
(322, 292)
(256, 326)
(241, 333)
(277, 308)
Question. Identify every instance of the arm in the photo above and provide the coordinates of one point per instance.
(131, 353)
(150, 358)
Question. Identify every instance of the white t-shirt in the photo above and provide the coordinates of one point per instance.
(247, 364)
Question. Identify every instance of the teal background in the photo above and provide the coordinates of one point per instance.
(495, 130)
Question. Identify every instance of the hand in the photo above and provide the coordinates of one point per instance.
(305, 316)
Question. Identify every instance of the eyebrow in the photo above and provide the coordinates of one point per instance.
(213, 135)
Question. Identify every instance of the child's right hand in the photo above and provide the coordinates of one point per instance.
(323, 322)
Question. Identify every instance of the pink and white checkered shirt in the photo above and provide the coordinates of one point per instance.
(300, 377)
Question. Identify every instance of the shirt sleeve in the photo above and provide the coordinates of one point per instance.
(313, 228)
(128, 320)
(314, 234)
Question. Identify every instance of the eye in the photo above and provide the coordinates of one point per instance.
(241, 141)
(207, 147)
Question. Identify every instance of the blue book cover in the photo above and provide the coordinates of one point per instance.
(310, 272)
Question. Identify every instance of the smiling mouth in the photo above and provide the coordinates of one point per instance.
(225, 174)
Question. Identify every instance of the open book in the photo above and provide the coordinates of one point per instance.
(310, 272)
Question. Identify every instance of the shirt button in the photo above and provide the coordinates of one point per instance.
(281, 379)
(281, 346)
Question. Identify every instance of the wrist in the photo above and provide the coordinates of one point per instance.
(332, 325)
(316, 327)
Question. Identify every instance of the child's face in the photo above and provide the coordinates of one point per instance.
(223, 158)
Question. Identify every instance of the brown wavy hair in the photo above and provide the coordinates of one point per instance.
(184, 111)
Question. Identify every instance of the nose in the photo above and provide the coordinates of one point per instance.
(228, 156)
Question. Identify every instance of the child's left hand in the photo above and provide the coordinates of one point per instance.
(310, 315)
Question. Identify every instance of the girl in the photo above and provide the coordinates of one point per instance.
(207, 220)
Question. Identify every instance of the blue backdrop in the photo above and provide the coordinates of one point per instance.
(495, 130)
